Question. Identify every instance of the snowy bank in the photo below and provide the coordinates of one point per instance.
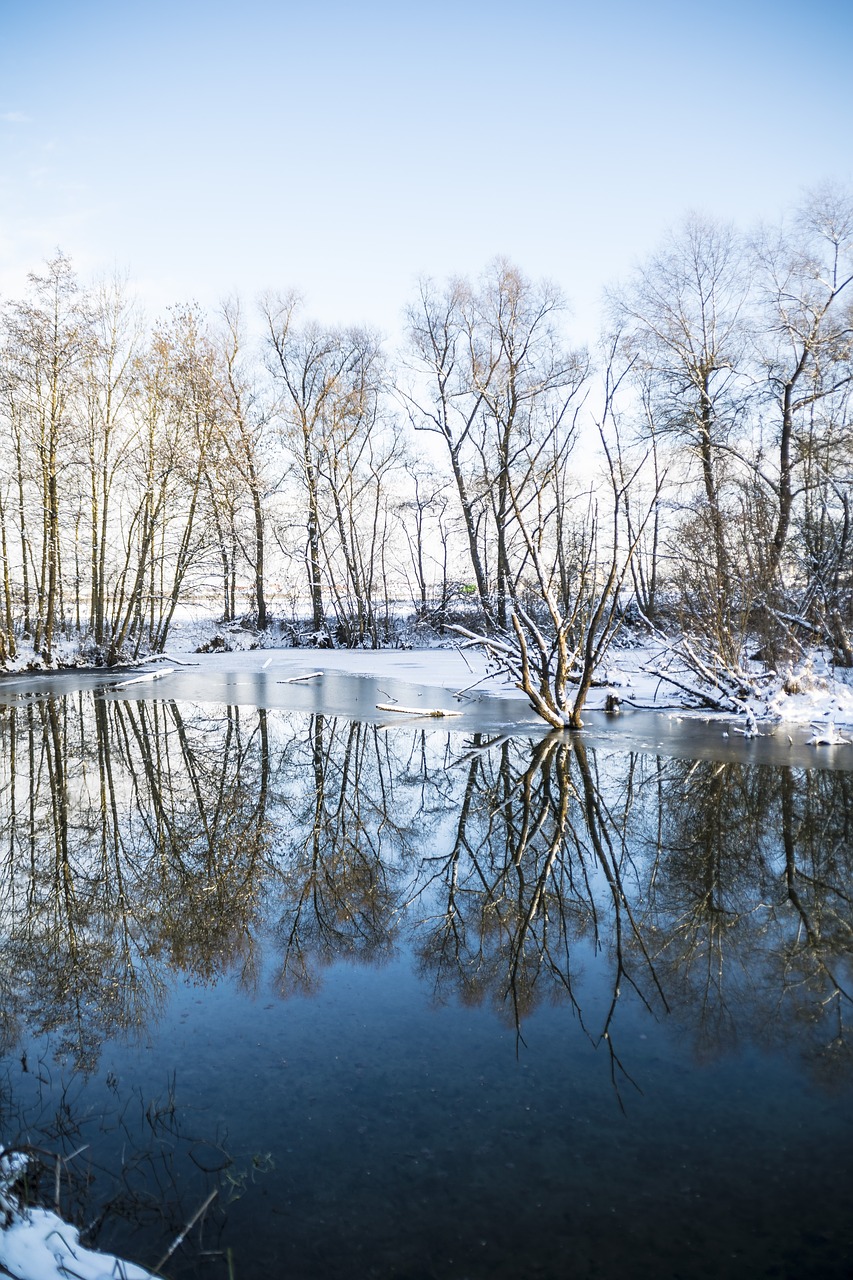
(813, 701)
(36, 1244)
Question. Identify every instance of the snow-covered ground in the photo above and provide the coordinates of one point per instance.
(812, 695)
(35, 1244)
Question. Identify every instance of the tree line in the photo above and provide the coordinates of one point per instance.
(693, 471)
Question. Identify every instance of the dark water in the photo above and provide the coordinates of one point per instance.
(424, 1004)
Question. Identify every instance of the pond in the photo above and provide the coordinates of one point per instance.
(417, 1002)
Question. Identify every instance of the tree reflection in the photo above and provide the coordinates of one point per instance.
(140, 840)
(749, 906)
(340, 877)
(530, 893)
(143, 838)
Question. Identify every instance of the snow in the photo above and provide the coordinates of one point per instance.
(37, 1245)
(828, 736)
(810, 695)
(40, 1246)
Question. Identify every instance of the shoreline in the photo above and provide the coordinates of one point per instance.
(439, 690)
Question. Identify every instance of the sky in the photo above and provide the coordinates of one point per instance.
(205, 149)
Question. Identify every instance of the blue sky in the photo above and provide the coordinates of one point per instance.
(344, 149)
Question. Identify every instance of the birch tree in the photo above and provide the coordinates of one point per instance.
(330, 383)
(684, 317)
(243, 424)
(47, 334)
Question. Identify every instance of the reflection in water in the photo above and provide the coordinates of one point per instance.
(746, 893)
(144, 840)
(131, 837)
(338, 875)
(143, 837)
(534, 866)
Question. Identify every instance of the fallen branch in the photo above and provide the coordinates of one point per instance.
(314, 675)
(434, 712)
(170, 657)
(144, 679)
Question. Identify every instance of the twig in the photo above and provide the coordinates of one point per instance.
(473, 684)
(461, 653)
(182, 1235)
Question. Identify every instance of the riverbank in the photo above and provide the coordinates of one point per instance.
(805, 718)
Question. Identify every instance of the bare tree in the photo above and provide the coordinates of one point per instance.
(165, 514)
(684, 322)
(531, 386)
(330, 384)
(423, 514)
(446, 402)
(805, 358)
(806, 355)
(109, 389)
(46, 338)
(306, 363)
(498, 377)
(243, 424)
(559, 642)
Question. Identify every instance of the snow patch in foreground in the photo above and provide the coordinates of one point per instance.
(35, 1244)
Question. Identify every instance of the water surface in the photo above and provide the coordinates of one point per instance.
(425, 1003)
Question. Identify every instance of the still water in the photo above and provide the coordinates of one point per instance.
(423, 1004)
